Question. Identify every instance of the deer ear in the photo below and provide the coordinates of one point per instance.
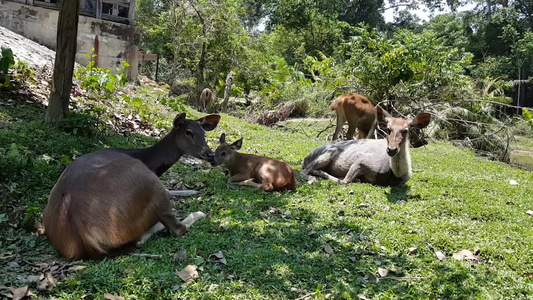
(179, 120)
(209, 122)
(222, 138)
(421, 120)
(383, 115)
(237, 144)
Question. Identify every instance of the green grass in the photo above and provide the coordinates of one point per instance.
(454, 201)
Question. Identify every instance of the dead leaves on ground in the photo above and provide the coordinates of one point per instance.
(45, 276)
(16, 293)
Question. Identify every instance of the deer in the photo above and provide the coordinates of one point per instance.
(384, 162)
(205, 99)
(252, 170)
(110, 201)
(359, 112)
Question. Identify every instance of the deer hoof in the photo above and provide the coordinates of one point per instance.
(312, 180)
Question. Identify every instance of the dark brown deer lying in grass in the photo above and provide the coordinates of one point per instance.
(359, 112)
(106, 200)
(384, 162)
(253, 170)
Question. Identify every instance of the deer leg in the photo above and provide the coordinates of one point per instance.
(238, 178)
(318, 163)
(340, 122)
(146, 236)
(325, 175)
(172, 224)
(353, 173)
(351, 132)
(250, 182)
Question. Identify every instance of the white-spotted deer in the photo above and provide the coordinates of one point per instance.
(385, 162)
(105, 201)
(359, 112)
(253, 170)
(205, 99)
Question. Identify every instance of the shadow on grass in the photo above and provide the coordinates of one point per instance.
(401, 193)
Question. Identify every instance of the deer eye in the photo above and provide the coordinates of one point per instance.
(388, 130)
(188, 132)
(223, 154)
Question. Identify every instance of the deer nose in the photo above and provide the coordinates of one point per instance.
(392, 151)
(210, 157)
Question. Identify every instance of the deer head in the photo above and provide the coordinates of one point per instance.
(398, 129)
(224, 151)
(189, 135)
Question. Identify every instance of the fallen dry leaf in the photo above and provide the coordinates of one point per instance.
(51, 279)
(312, 232)
(440, 256)
(76, 268)
(412, 250)
(219, 257)
(328, 249)
(513, 182)
(180, 255)
(188, 273)
(362, 297)
(383, 272)
(20, 293)
(112, 297)
(13, 264)
(466, 255)
(377, 263)
(263, 215)
(530, 212)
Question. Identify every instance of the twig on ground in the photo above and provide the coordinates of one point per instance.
(327, 127)
(148, 255)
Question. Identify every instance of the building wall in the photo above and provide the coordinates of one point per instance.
(116, 41)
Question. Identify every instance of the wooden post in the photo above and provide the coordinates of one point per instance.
(131, 11)
(96, 50)
(99, 7)
(67, 34)
(156, 67)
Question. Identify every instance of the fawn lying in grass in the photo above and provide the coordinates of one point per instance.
(253, 170)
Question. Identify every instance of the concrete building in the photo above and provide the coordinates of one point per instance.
(104, 25)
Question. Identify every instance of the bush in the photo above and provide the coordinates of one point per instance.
(100, 82)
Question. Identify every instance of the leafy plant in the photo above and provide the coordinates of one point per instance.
(6, 62)
(100, 82)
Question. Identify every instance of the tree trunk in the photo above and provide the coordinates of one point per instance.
(200, 77)
(227, 91)
(67, 33)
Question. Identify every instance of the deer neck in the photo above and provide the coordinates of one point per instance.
(235, 162)
(161, 156)
(401, 162)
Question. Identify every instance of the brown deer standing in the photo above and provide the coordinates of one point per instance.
(385, 162)
(106, 200)
(205, 99)
(360, 114)
(253, 170)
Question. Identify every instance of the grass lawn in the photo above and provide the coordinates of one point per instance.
(274, 242)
